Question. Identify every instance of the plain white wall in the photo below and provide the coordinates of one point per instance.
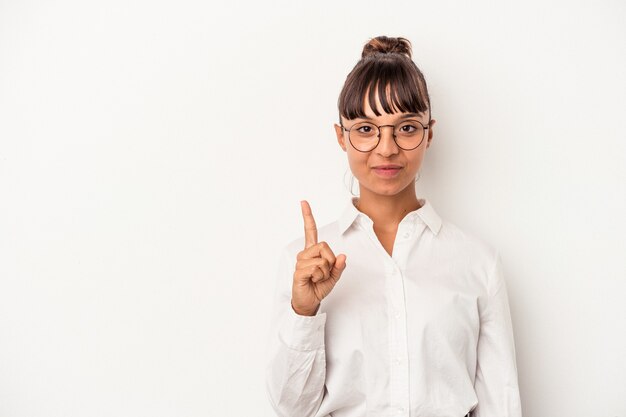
(153, 155)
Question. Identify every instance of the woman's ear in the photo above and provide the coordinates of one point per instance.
(340, 139)
(430, 132)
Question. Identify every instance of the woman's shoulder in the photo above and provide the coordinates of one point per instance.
(466, 243)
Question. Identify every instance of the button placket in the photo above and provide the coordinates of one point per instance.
(398, 337)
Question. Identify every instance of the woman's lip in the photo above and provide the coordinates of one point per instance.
(387, 172)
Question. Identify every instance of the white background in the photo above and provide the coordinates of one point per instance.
(153, 155)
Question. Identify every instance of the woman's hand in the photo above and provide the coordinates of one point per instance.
(317, 269)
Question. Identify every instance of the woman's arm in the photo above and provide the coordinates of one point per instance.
(296, 362)
(496, 383)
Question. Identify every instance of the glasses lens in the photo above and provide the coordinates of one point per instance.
(409, 134)
(364, 136)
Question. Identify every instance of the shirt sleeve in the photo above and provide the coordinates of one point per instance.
(296, 360)
(496, 382)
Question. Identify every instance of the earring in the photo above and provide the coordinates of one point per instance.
(351, 186)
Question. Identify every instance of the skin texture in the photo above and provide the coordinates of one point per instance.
(385, 200)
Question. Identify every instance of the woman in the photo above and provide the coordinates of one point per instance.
(411, 317)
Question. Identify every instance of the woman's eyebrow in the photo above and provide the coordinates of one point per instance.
(404, 116)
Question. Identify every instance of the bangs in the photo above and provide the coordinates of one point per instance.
(399, 84)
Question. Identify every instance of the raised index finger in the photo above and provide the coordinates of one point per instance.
(310, 230)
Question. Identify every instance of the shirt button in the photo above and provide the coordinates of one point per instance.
(397, 314)
(406, 235)
(398, 361)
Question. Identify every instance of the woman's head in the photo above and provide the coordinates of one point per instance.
(385, 63)
(385, 88)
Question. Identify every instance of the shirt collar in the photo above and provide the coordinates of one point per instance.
(425, 213)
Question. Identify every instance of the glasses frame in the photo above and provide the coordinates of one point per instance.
(394, 134)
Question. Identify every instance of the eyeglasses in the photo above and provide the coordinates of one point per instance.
(365, 136)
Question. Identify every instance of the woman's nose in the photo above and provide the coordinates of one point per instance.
(387, 145)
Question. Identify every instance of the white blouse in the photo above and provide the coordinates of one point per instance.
(425, 332)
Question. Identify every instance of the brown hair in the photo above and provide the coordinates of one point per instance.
(385, 63)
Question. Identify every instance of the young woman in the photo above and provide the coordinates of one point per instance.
(411, 317)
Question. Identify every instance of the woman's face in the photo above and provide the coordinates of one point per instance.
(362, 164)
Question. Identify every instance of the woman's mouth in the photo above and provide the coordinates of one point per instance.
(387, 172)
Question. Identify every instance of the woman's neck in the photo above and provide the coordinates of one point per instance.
(387, 211)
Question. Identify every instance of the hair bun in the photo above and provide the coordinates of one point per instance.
(387, 45)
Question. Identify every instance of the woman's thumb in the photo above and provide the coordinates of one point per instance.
(340, 265)
(341, 262)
